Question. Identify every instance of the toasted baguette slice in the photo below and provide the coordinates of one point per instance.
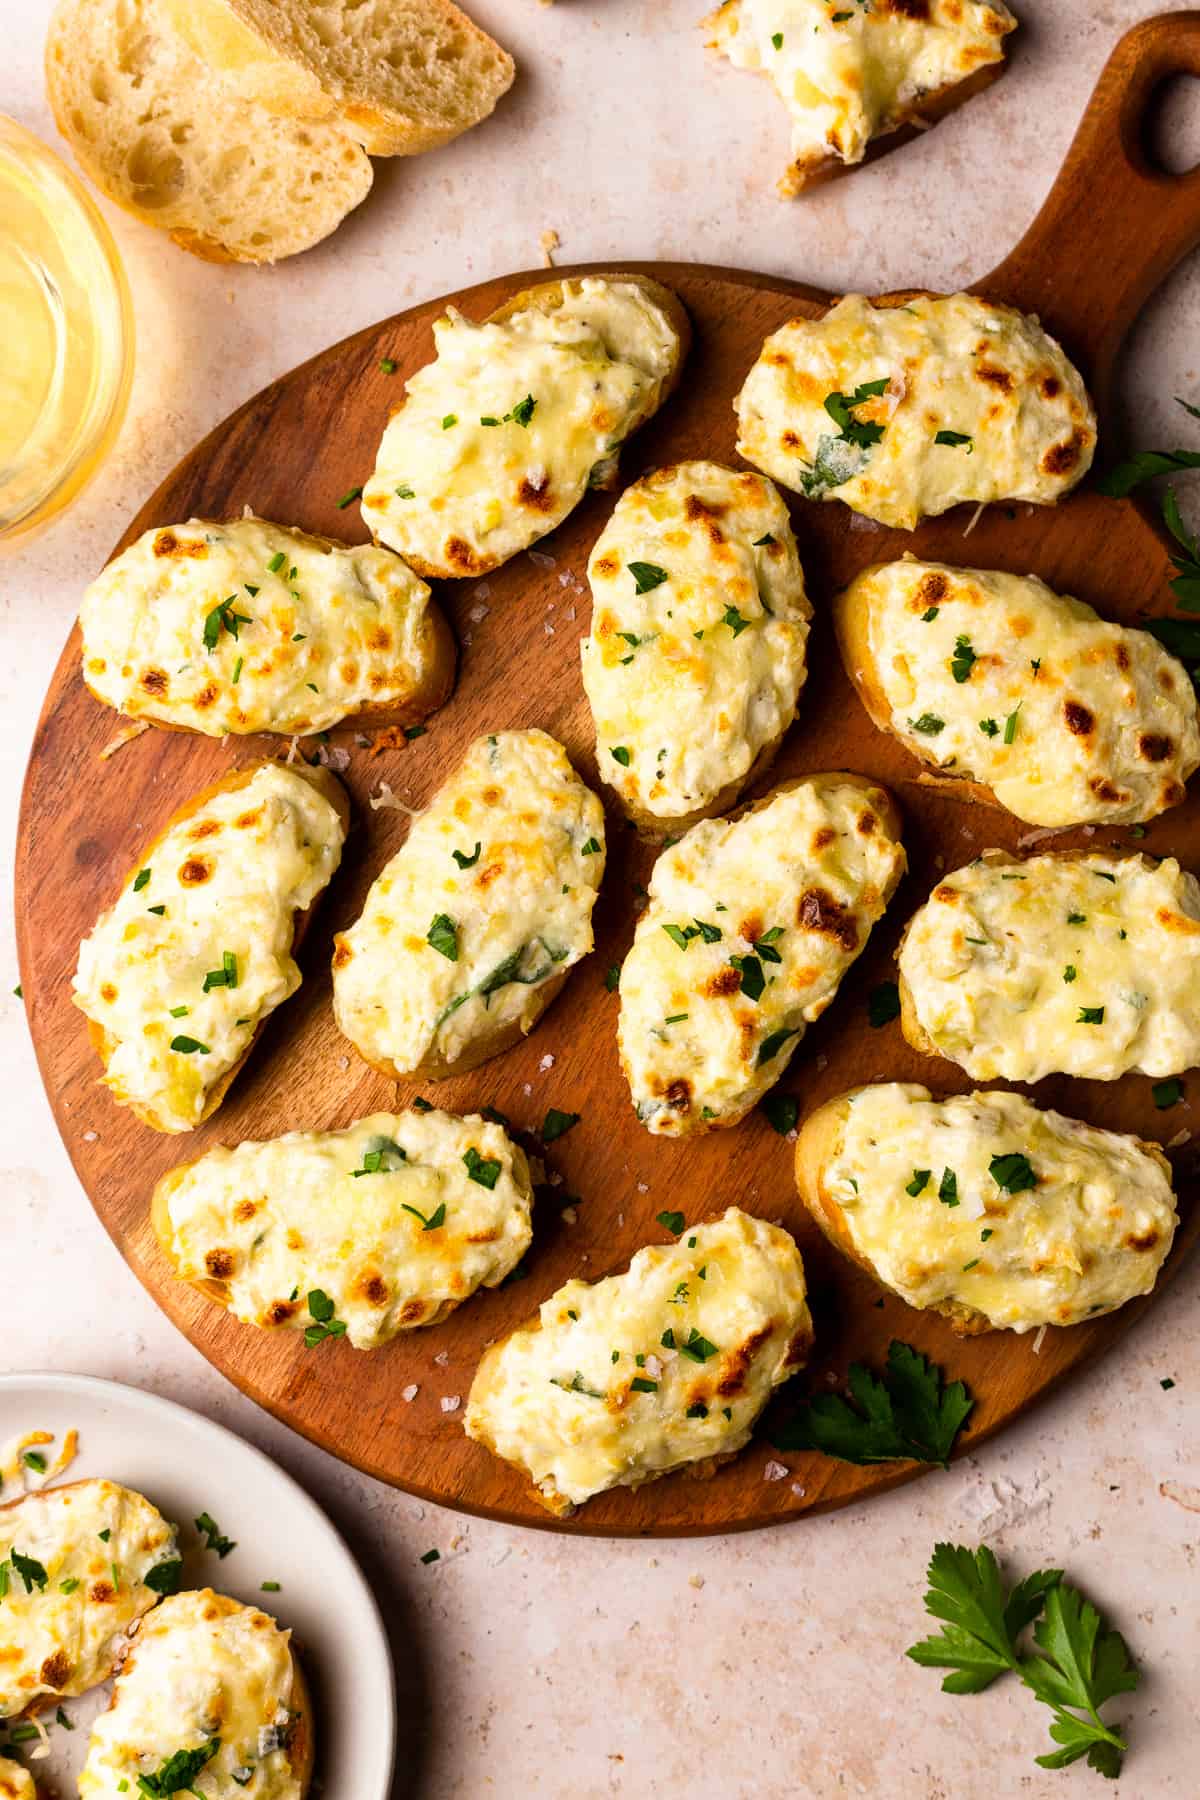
(500, 436)
(401, 76)
(202, 1657)
(998, 1214)
(16, 1783)
(315, 632)
(65, 1620)
(163, 1104)
(866, 79)
(164, 137)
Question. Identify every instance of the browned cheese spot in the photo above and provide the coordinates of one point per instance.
(931, 590)
(1142, 1240)
(246, 820)
(1051, 387)
(342, 953)
(537, 495)
(372, 1288)
(56, 1670)
(725, 981)
(1155, 746)
(204, 828)
(1078, 718)
(244, 1211)
(819, 911)
(822, 838)
(997, 378)
(208, 693)
(101, 1592)
(155, 682)
(279, 1312)
(412, 1311)
(460, 555)
(1060, 459)
(195, 871)
(219, 1264)
(167, 544)
(737, 1362)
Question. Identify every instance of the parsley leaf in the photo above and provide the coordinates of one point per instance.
(31, 1571)
(321, 1309)
(733, 618)
(1167, 1093)
(1090, 1015)
(754, 982)
(443, 936)
(883, 1004)
(464, 861)
(557, 1124)
(483, 1169)
(1083, 1665)
(963, 660)
(178, 1773)
(955, 439)
(781, 1111)
(164, 1577)
(1014, 1172)
(647, 576)
(908, 1415)
(211, 1531)
(980, 1629)
(772, 1045)
(670, 1221)
(928, 724)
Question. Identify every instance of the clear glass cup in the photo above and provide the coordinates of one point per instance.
(66, 333)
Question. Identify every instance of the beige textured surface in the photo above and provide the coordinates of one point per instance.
(768, 1665)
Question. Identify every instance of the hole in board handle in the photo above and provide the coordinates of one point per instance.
(1172, 134)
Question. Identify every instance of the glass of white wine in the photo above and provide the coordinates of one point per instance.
(66, 335)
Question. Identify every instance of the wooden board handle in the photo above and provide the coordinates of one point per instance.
(1114, 224)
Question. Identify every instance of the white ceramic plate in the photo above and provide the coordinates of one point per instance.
(186, 1465)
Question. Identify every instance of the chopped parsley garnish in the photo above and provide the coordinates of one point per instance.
(989, 728)
(269, 1587)
(733, 618)
(443, 937)
(522, 412)
(781, 1111)
(908, 1415)
(766, 538)
(1013, 1172)
(223, 617)
(354, 493)
(436, 1217)
(164, 1577)
(276, 563)
(404, 492)
(1070, 973)
(772, 1045)
(213, 1537)
(226, 976)
(754, 982)
(388, 365)
(955, 439)
(449, 420)
(556, 1124)
(919, 1182)
(612, 978)
(777, 39)
(33, 1459)
(765, 945)
(948, 1188)
(488, 419)
(698, 1348)
(671, 1221)
(841, 408)
(483, 1169)
(321, 1309)
(928, 724)
(963, 660)
(189, 1046)
(641, 1385)
(31, 1571)
(1167, 1093)
(180, 1012)
(682, 935)
(647, 576)
(1090, 1015)
(179, 1773)
(591, 848)
(1076, 918)
(883, 1004)
(140, 880)
(699, 1411)
(1010, 725)
(382, 1156)
(620, 754)
(576, 1385)
(467, 862)
(710, 933)
(930, 614)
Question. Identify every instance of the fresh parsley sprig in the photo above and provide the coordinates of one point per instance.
(1082, 1662)
(1148, 463)
(910, 1415)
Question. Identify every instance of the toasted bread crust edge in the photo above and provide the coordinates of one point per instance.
(893, 824)
(333, 791)
(481, 1049)
(547, 297)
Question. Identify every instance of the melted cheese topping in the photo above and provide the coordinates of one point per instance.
(849, 72)
(72, 1595)
(514, 913)
(309, 632)
(16, 1783)
(497, 440)
(625, 1379)
(750, 926)
(1067, 718)
(203, 1669)
(983, 373)
(1092, 1233)
(698, 675)
(384, 1218)
(1006, 957)
(229, 880)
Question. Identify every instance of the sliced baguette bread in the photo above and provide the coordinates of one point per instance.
(165, 138)
(401, 76)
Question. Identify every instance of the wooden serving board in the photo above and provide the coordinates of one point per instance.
(1110, 230)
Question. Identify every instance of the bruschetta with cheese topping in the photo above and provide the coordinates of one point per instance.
(392, 1223)
(211, 1696)
(470, 930)
(79, 1565)
(751, 924)
(696, 653)
(616, 1382)
(251, 626)
(179, 975)
(852, 74)
(984, 1207)
(905, 406)
(1029, 696)
(500, 437)
(1069, 963)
